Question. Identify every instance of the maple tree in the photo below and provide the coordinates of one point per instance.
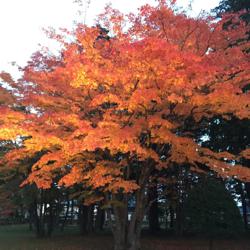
(112, 110)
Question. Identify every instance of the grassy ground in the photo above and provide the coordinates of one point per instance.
(19, 238)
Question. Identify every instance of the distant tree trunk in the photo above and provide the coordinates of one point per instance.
(66, 215)
(37, 220)
(31, 216)
(39, 210)
(22, 214)
(86, 219)
(171, 212)
(42, 215)
(72, 211)
(166, 219)
(99, 220)
(50, 221)
(244, 204)
(247, 188)
(179, 220)
(169, 222)
(153, 214)
(210, 243)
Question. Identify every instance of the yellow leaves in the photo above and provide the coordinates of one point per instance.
(81, 79)
(38, 143)
(11, 133)
(14, 117)
(10, 117)
(109, 125)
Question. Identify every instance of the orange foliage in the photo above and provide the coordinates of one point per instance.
(104, 93)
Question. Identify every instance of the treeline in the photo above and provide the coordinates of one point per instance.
(189, 204)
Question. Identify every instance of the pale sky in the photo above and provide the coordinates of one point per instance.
(21, 22)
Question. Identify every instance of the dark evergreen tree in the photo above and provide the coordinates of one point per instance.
(210, 210)
(234, 6)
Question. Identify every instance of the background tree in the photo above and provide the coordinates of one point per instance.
(234, 6)
(210, 210)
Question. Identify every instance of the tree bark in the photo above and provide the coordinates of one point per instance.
(50, 220)
(244, 205)
(99, 220)
(153, 214)
(127, 233)
(39, 210)
(86, 219)
(171, 212)
(66, 215)
(179, 220)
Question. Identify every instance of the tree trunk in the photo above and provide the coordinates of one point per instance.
(210, 243)
(66, 215)
(99, 220)
(244, 205)
(50, 221)
(86, 219)
(72, 211)
(153, 214)
(31, 216)
(171, 212)
(179, 220)
(39, 217)
(127, 233)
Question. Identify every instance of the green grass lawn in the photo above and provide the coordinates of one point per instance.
(18, 237)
